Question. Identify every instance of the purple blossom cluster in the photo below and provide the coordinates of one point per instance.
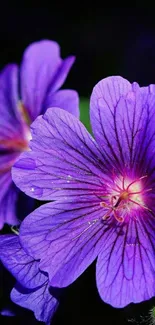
(100, 189)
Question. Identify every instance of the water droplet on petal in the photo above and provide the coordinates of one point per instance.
(36, 190)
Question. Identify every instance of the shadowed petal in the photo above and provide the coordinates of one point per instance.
(9, 197)
(23, 267)
(10, 123)
(40, 301)
(9, 192)
(126, 265)
(66, 236)
(66, 99)
(65, 159)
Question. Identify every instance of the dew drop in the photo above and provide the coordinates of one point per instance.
(36, 190)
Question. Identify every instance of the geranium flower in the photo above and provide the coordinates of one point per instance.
(103, 188)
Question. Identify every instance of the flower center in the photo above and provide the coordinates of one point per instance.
(123, 196)
(17, 143)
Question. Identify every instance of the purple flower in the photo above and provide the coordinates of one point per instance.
(104, 192)
(32, 291)
(26, 93)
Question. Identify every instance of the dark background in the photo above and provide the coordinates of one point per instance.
(106, 41)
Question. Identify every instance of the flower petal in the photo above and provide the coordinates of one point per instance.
(64, 159)
(40, 63)
(61, 74)
(42, 72)
(149, 89)
(66, 236)
(126, 265)
(23, 267)
(40, 301)
(10, 121)
(9, 192)
(123, 122)
(66, 99)
(8, 198)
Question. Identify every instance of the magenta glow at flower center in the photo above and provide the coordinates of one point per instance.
(124, 196)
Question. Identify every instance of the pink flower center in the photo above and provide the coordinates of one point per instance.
(123, 196)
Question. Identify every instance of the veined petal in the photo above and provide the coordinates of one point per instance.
(66, 236)
(123, 123)
(23, 267)
(149, 89)
(126, 265)
(40, 301)
(10, 121)
(64, 159)
(66, 99)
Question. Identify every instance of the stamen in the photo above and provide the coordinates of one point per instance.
(125, 199)
(118, 218)
(139, 204)
(138, 179)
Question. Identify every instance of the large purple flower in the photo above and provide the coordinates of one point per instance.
(25, 94)
(32, 291)
(104, 192)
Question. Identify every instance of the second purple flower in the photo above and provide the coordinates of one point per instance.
(26, 93)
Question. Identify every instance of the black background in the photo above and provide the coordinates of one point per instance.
(106, 41)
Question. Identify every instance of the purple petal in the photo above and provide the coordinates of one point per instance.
(40, 301)
(8, 201)
(123, 121)
(65, 159)
(66, 99)
(9, 192)
(61, 74)
(42, 71)
(66, 236)
(23, 267)
(10, 122)
(150, 89)
(40, 63)
(126, 265)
